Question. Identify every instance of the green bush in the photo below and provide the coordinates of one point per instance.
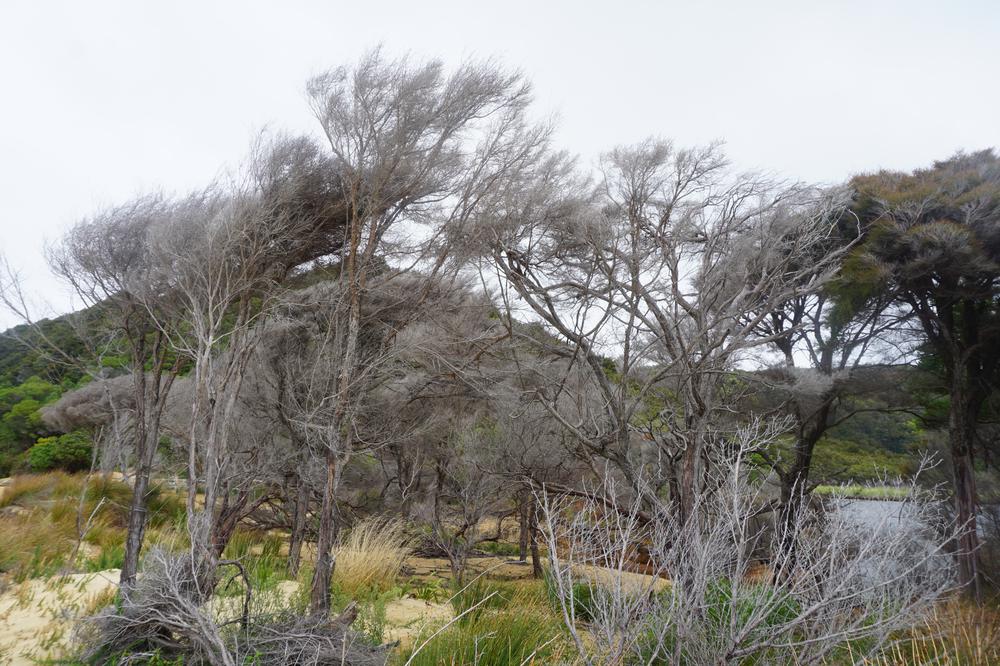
(500, 548)
(71, 452)
(583, 598)
(725, 606)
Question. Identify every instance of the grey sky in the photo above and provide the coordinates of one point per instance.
(102, 100)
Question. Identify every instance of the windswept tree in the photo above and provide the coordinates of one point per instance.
(219, 258)
(415, 150)
(108, 261)
(658, 269)
(932, 247)
(822, 345)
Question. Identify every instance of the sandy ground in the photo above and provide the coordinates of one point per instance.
(407, 618)
(36, 616)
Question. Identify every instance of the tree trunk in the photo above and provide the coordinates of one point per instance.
(147, 438)
(962, 429)
(536, 562)
(136, 529)
(522, 509)
(795, 485)
(298, 527)
(319, 600)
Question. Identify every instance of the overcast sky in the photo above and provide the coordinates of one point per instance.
(103, 100)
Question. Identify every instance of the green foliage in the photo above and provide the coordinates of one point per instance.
(726, 602)
(34, 391)
(931, 248)
(864, 448)
(499, 548)
(583, 598)
(21, 420)
(844, 460)
(725, 606)
(71, 452)
(889, 431)
(21, 356)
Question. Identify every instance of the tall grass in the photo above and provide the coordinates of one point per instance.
(38, 540)
(370, 558)
(24, 486)
(32, 545)
(957, 633)
(260, 554)
(504, 625)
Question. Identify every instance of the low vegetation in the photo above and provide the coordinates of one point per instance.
(487, 621)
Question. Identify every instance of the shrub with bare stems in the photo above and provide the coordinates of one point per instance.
(847, 586)
(160, 616)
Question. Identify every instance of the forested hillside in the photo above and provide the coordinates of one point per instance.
(32, 376)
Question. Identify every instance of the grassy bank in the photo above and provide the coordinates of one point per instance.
(864, 492)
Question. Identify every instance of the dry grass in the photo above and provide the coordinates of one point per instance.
(24, 486)
(956, 634)
(32, 545)
(371, 556)
(40, 526)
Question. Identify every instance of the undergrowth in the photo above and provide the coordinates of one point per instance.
(44, 518)
(503, 624)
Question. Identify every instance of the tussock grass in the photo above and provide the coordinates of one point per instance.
(62, 490)
(511, 625)
(38, 538)
(27, 486)
(370, 557)
(32, 545)
(957, 633)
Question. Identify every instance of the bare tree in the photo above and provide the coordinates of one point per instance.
(530, 452)
(822, 342)
(222, 254)
(464, 495)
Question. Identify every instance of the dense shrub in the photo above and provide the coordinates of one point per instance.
(71, 452)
